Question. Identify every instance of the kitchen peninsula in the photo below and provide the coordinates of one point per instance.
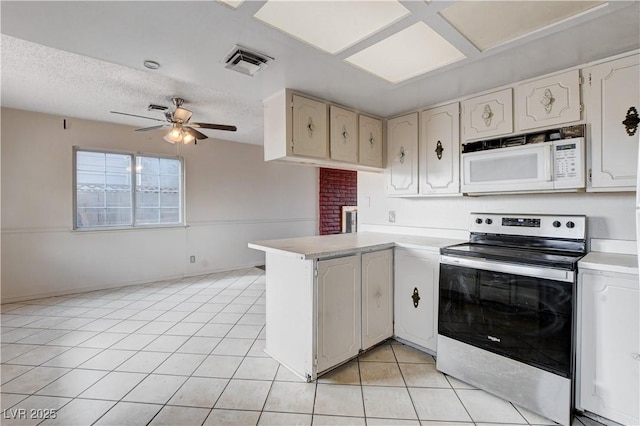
(328, 298)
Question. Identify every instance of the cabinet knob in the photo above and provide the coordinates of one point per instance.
(439, 150)
(401, 155)
(310, 126)
(631, 121)
(636, 357)
(416, 297)
(371, 139)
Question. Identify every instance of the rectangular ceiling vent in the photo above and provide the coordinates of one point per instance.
(154, 107)
(246, 61)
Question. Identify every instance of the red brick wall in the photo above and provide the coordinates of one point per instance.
(337, 188)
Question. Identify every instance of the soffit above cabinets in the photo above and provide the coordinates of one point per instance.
(331, 26)
(488, 24)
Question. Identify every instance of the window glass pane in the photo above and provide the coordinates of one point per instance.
(158, 191)
(169, 166)
(103, 189)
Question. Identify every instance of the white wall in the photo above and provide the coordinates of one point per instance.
(232, 197)
(609, 215)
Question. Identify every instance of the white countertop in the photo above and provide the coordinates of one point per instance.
(344, 244)
(610, 262)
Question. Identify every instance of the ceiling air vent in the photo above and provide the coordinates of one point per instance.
(154, 107)
(246, 61)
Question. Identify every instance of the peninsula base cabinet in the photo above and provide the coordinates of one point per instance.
(416, 297)
(321, 313)
(609, 346)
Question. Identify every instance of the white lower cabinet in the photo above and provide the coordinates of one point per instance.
(609, 348)
(416, 297)
(339, 316)
(377, 297)
(355, 305)
(321, 313)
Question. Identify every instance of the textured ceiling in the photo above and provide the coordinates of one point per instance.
(83, 59)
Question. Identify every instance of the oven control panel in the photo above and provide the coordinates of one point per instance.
(556, 226)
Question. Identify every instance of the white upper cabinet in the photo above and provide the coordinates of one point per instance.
(440, 150)
(548, 101)
(488, 115)
(303, 130)
(309, 127)
(613, 106)
(344, 134)
(370, 137)
(402, 155)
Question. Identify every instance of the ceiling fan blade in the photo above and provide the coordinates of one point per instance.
(144, 129)
(214, 126)
(135, 115)
(193, 132)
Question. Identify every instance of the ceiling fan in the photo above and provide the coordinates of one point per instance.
(182, 130)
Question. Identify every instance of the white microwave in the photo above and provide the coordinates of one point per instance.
(544, 166)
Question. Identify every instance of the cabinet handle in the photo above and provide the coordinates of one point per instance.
(416, 297)
(631, 121)
(636, 357)
(310, 127)
(547, 101)
(402, 155)
(487, 115)
(439, 150)
(345, 134)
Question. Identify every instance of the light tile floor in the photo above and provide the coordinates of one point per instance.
(190, 352)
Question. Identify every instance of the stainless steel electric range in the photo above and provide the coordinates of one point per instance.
(506, 312)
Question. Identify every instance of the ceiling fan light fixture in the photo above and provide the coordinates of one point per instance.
(187, 138)
(182, 115)
(174, 135)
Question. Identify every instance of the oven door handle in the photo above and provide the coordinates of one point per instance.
(509, 268)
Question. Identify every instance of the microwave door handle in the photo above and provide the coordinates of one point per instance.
(548, 163)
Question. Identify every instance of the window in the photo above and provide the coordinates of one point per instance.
(110, 193)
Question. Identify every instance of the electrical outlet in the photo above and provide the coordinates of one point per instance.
(392, 216)
(192, 259)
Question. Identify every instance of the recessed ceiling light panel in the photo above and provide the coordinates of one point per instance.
(488, 24)
(331, 26)
(413, 51)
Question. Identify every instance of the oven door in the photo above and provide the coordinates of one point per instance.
(522, 312)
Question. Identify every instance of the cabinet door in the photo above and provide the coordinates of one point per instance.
(309, 128)
(339, 316)
(344, 134)
(488, 115)
(549, 101)
(370, 138)
(402, 155)
(377, 299)
(416, 297)
(440, 150)
(610, 347)
(613, 94)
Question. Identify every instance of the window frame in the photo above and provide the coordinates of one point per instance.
(134, 182)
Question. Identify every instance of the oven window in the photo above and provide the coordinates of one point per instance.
(524, 318)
